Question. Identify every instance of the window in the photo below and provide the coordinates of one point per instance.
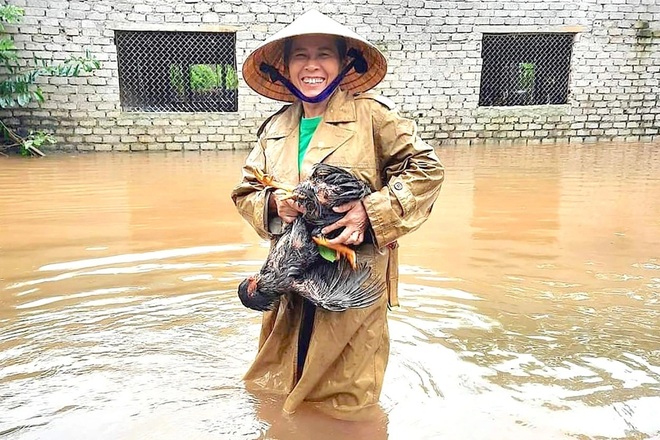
(177, 71)
(525, 69)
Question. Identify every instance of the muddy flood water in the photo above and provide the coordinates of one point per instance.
(530, 301)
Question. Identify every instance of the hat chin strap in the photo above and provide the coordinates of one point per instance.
(358, 63)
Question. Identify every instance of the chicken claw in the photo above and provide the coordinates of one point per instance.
(269, 181)
(341, 249)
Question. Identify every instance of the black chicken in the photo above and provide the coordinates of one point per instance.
(294, 265)
(327, 187)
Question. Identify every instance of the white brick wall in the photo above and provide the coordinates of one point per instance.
(434, 53)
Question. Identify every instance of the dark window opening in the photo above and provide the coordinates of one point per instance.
(177, 71)
(525, 69)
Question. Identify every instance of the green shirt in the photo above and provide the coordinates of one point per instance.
(307, 129)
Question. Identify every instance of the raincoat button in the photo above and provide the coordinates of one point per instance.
(398, 186)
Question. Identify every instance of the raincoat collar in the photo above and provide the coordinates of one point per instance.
(330, 135)
(341, 108)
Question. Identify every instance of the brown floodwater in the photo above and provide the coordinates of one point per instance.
(530, 301)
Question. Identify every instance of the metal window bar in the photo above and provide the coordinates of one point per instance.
(525, 69)
(177, 71)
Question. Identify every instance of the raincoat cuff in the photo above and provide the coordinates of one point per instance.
(273, 224)
(403, 194)
(260, 214)
(376, 204)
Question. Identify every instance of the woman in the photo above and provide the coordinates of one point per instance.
(333, 360)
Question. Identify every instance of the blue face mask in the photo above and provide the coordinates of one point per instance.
(358, 63)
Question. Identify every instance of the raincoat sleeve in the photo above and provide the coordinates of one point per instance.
(251, 197)
(412, 176)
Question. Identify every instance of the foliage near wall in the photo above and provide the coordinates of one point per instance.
(18, 84)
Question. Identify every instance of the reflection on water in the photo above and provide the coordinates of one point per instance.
(530, 301)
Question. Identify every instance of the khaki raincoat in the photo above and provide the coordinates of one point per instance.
(348, 352)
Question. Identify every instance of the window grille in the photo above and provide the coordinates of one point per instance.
(525, 69)
(177, 71)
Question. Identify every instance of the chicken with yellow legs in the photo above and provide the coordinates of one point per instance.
(294, 264)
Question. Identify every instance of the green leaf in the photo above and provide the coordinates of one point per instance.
(18, 84)
(10, 14)
(23, 99)
(327, 253)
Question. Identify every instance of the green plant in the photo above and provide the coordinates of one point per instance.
(29, 145)
(203, 77)
(176, 80)
(18, 83)
(526, 80)
(231, 79)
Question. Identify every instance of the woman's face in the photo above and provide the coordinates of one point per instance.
(313, 63)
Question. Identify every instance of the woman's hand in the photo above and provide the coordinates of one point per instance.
(355, 224)
(287, 209)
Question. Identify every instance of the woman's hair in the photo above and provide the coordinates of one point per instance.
(340, 42)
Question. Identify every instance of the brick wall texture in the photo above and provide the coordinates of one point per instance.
(434, 54)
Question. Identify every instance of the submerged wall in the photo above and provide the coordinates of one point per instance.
(434, 50)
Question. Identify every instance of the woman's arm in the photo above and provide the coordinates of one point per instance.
(259, 205)
(412, 174)
(251, 198)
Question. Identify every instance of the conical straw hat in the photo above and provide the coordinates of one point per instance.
(312, 22)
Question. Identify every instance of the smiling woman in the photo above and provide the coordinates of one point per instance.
(333, 361)
(313, 62)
